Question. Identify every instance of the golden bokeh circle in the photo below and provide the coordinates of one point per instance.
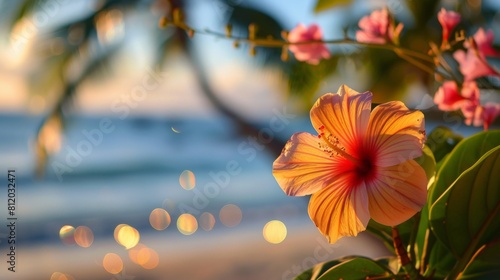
(67, 234)
(148, 258)
(159, 219)
(127, 236)
(274, 232)
(187, 224)
(84, 236)
(112, 263)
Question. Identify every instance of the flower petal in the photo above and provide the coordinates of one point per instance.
(340, 210)
(343, 116)
(296, 34)
(448, 98)
(395, 133)
(473, 64)
(397, 193)
(374, 27)
(311, 53)
(303, 168)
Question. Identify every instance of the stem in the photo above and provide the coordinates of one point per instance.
(403, 256)
(414, 62)
(413, 237)
(442, 61)
(425, 251)
(393, 48)
(277, 43)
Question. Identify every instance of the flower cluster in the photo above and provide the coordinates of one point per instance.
(473, 65)
(379, 28)
(376, 28)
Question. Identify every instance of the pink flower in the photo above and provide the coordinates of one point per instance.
(448, 20)
(478, 115)
(473, 64)
(484, 42)
(359, 166)
(449, 98)
(377, 28)
(490, 112)
(311, 53)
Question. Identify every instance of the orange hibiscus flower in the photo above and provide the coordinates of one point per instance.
(359, 166)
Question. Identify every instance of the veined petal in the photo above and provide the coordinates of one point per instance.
(340, 210)
(397, 193)
(303, 168)
(395, 133)
(343, 116)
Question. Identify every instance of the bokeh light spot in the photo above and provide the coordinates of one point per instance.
(187, 180)
(67, 234)
(207, 221)
(117, 230)
(112, 263)
(187, 224)
(148, 258)
(159, 219)
(230, 215)
(134, 252)
(61, 276)
(84, 236)
(274, 232)
(127, 236)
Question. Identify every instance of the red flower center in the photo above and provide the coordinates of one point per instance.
(364, 167)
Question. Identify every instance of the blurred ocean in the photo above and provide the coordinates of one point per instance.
(132, 166)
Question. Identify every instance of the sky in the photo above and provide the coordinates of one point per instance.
(238, 79)
(174, 91)
(241, 82)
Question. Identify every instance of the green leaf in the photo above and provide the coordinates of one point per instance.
(392, 263)
(385, 232)
(423, 238)
(323, 5)
(316, 271)
(441, 260)
(432, 256)
(441, 141)
(490, 252)
(382, 232)
(463, 156)
(427, 162)
(467, 215)
(356, 268)
(306, 275)
(486, 264)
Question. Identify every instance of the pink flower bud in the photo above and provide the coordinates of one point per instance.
(311, 53)
(377, 28)
(448, 20)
